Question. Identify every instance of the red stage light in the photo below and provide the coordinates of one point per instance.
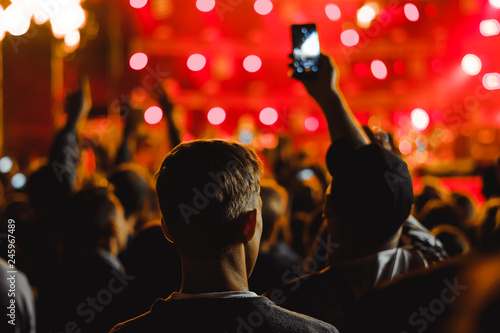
(216, 116)
(138, 3)
(491, 81)
(205, 5)
(311, 124)
(489, 28)
(399, 67)
(138, 61)
(495, 3)
(379, 69)
(153, 115)
(263, 7)
(411, 12)
(349, 37)
(252, 63)
(419, 119)
(268, 116)
(471, 64)
(333, 12)
(196, 62)
(361, 69)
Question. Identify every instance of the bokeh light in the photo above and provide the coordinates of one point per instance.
(153, 115)
(311, 124)
(205, 5)
(216, 116)
(379, 69)
(72, 38)
(471, 64)
(6, 164)
(18, 181)
(349, 37)
(491, 81)
(138, 61)
(361, 69)
(495, 3)
(419, 119)
(399, 67)
(15, 21)
(196, 62)
(365, 15)
(411, 12)
(489, 28)
(333, 12)
(252, 63)
(268, 116)
(138, 3)
(263, 7)
(405, 147)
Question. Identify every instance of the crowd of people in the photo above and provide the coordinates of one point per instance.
(209, 243)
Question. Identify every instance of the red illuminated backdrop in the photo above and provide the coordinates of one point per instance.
(426, 71)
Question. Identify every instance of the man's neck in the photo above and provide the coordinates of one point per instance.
(226, 274)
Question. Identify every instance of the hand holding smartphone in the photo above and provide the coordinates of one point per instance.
(306, 50)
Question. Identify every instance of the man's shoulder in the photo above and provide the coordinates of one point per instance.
(227, 314)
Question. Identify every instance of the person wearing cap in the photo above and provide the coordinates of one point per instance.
(367, 203)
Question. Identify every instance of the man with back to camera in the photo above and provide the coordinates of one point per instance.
(208, 192)
(366, 205)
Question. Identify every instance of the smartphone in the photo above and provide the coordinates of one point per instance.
(306, 52)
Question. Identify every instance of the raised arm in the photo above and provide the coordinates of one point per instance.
(168, 107)
(325, 91)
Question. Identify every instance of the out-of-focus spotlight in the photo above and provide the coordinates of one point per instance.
(419, 119)
(138, 61)
(411, 12)
(6, 164)
(268, 116)
(489, 27)
(495, 3)
(18, 181)
(366, 14)
(405, 147)
(379, 69)
(349, 37)
(471, 64)
(153, 115)
(216, 116)
(72, 38)
(305, 174)
(311, 124)
(263, 7)
(252, 63)
(245, 137)
(15, 21)
(205, 5)
(491, 81)
(399, 67)
(138, 3)
(196, 62)
(333, 12)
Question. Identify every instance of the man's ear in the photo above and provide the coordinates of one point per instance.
(165, 230)
(249, 220)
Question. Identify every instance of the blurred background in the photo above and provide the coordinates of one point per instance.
(426, 72)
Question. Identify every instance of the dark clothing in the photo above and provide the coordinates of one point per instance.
(155, 263)
(91, 293)
(271, 266)
(242, 314)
